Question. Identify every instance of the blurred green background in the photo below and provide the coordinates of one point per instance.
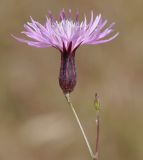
(35, 120)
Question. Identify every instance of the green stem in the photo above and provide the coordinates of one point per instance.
(80, 126)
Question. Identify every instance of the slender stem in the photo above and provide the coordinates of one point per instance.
(80, 126)
(97, 108)
(97, 135)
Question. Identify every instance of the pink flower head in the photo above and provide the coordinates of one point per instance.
(67, 35)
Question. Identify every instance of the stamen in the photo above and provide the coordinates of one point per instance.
(70, 14)
(50, 16)
(77, 16)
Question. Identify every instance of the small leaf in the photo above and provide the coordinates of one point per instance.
(96, 103)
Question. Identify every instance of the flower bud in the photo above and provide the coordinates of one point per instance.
(67, 76)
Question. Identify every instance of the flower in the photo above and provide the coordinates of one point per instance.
(67, 35)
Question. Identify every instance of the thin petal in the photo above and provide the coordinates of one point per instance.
(104, 41)
(32, 43)
(95, 24)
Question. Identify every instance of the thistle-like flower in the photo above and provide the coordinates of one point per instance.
(67, 35)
